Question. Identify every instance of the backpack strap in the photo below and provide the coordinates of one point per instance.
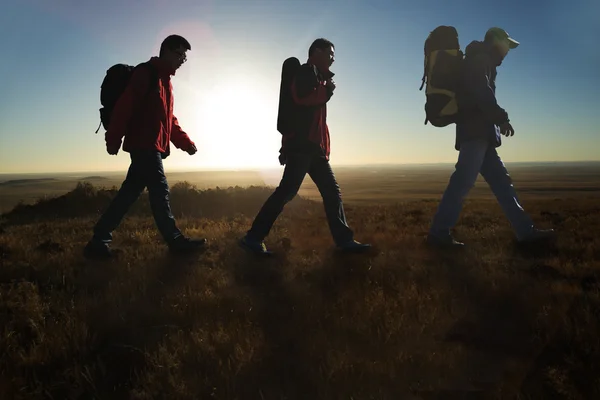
(154, 78)
(425, 48)
(153, 81)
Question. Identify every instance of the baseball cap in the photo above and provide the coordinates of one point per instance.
(501, 34)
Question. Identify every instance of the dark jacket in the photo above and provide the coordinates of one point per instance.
(145, 118)
(480, 113)
(309, 133)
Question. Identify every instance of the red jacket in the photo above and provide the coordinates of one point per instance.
(146, 118)
(310, 94)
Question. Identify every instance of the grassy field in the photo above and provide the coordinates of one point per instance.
(404, 322)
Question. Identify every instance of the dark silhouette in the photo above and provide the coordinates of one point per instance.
(143, 115)
(305, 150)
(479, 126)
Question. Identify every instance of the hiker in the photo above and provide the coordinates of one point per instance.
(143, 115)
(305, 150)
(479, 126)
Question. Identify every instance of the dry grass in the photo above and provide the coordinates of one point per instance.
(496, 321)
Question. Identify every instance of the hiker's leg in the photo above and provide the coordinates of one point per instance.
(467, 169)
(158, 191)
(296, 167)
(496, 175)
(323, 176)
(130, 190)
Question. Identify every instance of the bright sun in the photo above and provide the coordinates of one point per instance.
(238, 123)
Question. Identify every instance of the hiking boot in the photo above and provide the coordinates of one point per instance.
(446, 241)
(353, 246)
(257, 247)
(95, 250)
(182, 245)
(537, 235)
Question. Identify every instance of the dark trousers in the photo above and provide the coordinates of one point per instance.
(479, 157)
(146, 171)
(297, 166)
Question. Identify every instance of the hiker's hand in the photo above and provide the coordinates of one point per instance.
(192, 149)
(113, 149)
(330, 84)
(506, 129)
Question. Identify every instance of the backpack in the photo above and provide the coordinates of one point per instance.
(113, 85)
(285, 112)
(441, 74)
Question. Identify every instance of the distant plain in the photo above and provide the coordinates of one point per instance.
(364, 185)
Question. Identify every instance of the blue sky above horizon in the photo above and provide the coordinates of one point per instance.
(226, 94)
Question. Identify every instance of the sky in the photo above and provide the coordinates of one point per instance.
(56, 54)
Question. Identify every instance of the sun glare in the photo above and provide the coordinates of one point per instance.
(238, 124)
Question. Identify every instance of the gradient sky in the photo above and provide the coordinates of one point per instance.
(57, 52)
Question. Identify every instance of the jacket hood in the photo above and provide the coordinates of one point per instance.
(476, 47)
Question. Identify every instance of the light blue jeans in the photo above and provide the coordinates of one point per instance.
(479, 157)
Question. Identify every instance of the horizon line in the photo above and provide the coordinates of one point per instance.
(253, 169)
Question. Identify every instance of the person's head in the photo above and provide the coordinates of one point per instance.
(173, 51)
(322, 53)
(500, 40)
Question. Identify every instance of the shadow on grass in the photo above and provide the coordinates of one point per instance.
(501, 328)
(496, 327)
(127, 330)
(283, 369)
(568, 364)
(123, 329)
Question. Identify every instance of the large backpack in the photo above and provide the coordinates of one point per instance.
(115, 81)
(441, 74)
(285, 112)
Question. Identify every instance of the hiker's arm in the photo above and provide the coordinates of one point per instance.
(478, 85)
(307, 90)
(121, 114)
(179, 138)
